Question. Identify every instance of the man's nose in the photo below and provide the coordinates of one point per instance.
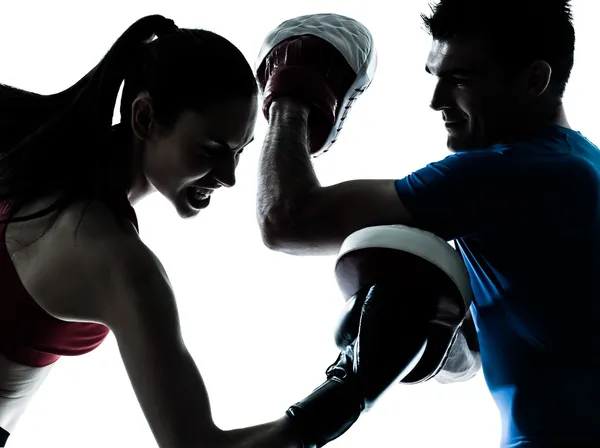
(442, 97)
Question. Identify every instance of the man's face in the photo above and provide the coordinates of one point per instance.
(479, 106)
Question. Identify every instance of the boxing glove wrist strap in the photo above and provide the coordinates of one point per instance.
(331, 409)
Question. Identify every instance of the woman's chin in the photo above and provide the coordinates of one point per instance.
(190, 208)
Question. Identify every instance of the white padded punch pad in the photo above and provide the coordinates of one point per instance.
(351, 38)
(423, 244)
(416, 257)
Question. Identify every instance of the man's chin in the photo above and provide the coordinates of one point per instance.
(454, 146)
(459, 145)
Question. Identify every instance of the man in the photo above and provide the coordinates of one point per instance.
(518, 196)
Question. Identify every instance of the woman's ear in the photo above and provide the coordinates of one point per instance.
(142, 116)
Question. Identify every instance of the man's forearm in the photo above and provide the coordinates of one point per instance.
(286, 174)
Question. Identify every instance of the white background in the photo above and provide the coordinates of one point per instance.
(259, 323)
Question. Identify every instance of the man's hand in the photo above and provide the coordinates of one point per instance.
(462, 363)
(325, 61)
(464, 360)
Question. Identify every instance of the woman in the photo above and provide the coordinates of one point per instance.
(72, 266)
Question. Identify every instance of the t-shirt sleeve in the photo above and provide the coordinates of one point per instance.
(463, 195)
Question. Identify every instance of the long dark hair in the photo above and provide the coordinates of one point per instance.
(65, 143)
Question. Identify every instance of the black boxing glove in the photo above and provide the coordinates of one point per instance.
(380, 355)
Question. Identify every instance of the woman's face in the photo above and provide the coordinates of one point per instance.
(187, 162)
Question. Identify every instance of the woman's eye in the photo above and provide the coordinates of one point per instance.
(209, 153)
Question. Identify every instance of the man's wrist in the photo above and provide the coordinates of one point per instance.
(288, 107)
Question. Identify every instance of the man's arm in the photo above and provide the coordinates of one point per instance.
(296, 214)
(299, 216)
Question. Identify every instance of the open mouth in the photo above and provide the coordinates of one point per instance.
(198, 198)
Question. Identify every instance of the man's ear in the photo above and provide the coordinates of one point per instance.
(540, 74)
(142, 116)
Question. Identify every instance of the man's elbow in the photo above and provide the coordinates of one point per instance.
(284, 242)
(275, 231)
(271, 238)
(290, 237)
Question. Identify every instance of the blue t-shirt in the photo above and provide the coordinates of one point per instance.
(526, 219)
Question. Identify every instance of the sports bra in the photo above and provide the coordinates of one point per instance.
(28, 334)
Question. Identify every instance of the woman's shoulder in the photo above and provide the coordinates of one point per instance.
(110, 213)
(72, 256)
